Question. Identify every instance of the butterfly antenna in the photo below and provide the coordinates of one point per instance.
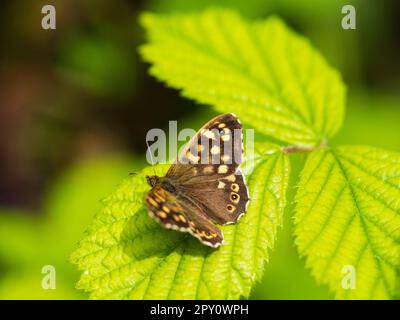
(151, 157)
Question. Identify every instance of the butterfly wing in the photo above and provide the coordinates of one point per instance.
(207, 170)
(223, 199)
(218, 142)
(182, 214)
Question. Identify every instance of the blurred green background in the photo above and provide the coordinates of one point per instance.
(76, 103)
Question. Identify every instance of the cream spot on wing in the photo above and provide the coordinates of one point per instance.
(225, 158)
(182, 218)
(227, 130)
(176, 217)
(215, 150)
(226, 137)
(158, 197)
(209, 134)
(191, 157)
(161, 214)
(208, 169)
(222, 169)
(166, 209)
(221, 185)
(222, 125)
(231, 178)
(153, 202)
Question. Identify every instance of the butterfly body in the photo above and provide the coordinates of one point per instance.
(163, 182)
(205, 184)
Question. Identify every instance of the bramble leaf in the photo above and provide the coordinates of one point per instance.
(126, 254)
(272, 77)
(348, 214)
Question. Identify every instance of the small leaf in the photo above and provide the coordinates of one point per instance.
(127, 255)
(263, 71)
(348, 214)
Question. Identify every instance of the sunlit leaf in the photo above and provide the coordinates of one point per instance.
(270, 76)
(126, 254)
(348, 218)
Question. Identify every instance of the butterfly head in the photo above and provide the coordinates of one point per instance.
(152, 180)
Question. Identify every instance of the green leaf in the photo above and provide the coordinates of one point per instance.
(348, 214)
(127, 255)
(263, 71)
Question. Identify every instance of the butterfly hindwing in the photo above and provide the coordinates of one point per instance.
(224, 199)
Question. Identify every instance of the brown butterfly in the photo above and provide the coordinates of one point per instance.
(205, 184)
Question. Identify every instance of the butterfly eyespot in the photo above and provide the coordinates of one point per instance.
(235, 197)
(230, 208)
(222, 169)
(235, 187)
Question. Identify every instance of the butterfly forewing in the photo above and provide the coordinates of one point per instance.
(205, 184)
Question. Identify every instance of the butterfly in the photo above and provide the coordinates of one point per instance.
(205, 184)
